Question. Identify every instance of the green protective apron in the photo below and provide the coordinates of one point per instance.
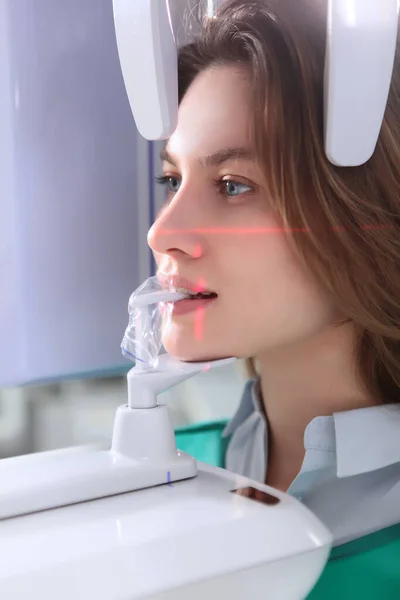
(365, 569)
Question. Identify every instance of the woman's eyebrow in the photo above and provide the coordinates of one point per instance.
(221, 156)
(165, 156)
(216, 158)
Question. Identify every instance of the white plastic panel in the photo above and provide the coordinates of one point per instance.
(359, 63)
(360, 51)
(148, 33)
(174, 542)
(74, 191)
(148, 58)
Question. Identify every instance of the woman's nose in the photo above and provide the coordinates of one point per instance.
(176, 231)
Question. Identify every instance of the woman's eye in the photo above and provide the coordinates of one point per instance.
(234, 188)
(227, 187)
(171, 183)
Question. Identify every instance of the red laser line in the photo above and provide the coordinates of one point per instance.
(199, 323)
(259, 230)
(200, 286)
(199, 313)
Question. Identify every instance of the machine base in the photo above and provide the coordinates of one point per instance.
(143, 455)
(194, 539)
(60, 480)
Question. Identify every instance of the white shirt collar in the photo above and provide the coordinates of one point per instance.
(367, 439)
(363, 440)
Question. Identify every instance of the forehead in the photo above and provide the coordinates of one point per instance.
(214, 113)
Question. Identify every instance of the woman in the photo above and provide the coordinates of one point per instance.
(300, 261)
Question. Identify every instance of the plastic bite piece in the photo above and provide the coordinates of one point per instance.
(142, 339)
(154, 373)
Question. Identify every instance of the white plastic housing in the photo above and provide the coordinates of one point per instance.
(361, 43)
(75, 191)
(143, 455)
(361, 37)
(145, 39)
(148, 34)
(143, 452)
(145, 385)
(194, 539)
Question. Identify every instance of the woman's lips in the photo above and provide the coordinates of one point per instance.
(179, 283)
(186, 306)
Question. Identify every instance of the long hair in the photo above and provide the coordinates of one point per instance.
(343, 222)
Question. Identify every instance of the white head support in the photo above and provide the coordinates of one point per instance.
(360, 51)
(361, 40)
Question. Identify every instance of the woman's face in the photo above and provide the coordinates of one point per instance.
(217, 233)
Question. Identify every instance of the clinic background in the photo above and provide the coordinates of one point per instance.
(83, 172)
(80, 412)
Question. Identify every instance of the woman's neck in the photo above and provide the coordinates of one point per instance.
(314, 378)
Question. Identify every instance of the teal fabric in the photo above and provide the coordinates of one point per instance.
(366, 569)
(204, 441)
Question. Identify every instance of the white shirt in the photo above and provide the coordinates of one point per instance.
(350, 477)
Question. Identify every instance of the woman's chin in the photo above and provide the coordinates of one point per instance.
(191, 352)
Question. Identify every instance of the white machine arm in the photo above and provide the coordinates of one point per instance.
(148, 57)
(361, 41)
(361, 44)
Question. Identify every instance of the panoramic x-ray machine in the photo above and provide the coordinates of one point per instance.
(141, 520)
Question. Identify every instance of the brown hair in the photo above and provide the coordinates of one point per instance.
(351, 215)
